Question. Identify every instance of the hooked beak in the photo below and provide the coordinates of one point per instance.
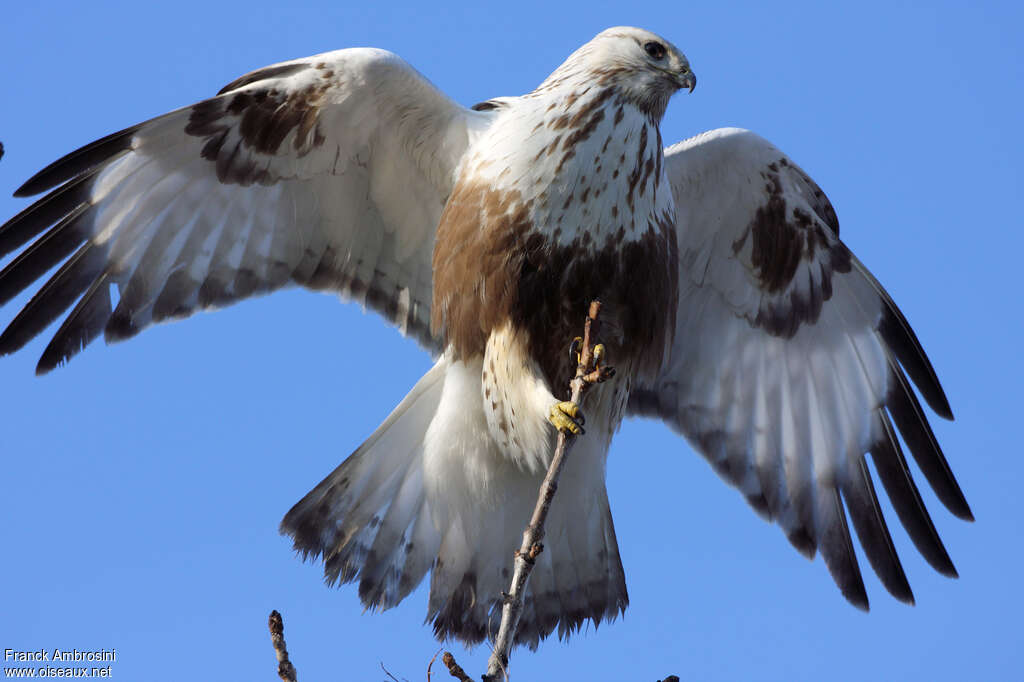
(687, 79)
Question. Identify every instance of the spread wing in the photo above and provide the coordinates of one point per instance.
(790, 362)
(329, 172)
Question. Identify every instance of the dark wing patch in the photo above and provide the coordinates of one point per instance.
(266, 73)
(488, 105)
(786, 242)
(238, 127)
(815, 196)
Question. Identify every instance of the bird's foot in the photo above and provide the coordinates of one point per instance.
(567, 417)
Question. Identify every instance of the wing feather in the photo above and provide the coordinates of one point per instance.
(836, 547)
(917, 434)
(895, 476)
(80, 328)
(58, 294)
(788, 363)
(46, 252)
(328, 172)
(902, 340)
(868, 521)
(94, 154)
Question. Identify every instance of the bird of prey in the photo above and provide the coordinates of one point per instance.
(732, 311)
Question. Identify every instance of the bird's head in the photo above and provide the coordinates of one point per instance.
(647, 68)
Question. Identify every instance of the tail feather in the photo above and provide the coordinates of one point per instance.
(541, 614)
(569, 588)
(421, 554)
(431, 491)
(382, 571)
(343, 517)
(457, 605)
(615, 576)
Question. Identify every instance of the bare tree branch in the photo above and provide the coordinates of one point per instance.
(588, 373)
(454, 669)
(285, 669)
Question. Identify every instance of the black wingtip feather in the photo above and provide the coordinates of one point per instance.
(121, 326)
(917, 434)
(836, 549)
(868, 521)
(49, 250)
(899, 485)
(45, 212)
(897, 332)
(81, 327)
(900, 337)
(802, 542)
(56, 296)
(78, 161)
(278, 71)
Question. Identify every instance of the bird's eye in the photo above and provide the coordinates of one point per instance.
(655, 50)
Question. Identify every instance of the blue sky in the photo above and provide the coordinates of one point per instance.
(143, 483)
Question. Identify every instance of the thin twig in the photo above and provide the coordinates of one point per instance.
(285, 669)
(431, 664)
(454, 669)
(388, 673)
(586, 375)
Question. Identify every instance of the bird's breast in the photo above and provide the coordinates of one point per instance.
(586, 165)
(553, 208)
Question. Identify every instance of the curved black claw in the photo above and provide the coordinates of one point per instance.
(574, 349)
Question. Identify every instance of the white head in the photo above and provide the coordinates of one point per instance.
(645, 67)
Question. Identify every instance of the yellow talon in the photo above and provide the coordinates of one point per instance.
(599, 352)
(567, 417)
